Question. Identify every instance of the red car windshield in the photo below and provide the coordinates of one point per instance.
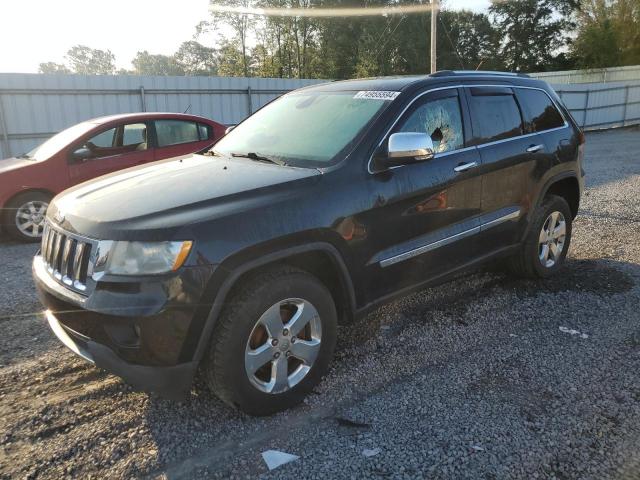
(59, 141)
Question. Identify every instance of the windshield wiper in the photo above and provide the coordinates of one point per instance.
(25, 155)
(259, 158)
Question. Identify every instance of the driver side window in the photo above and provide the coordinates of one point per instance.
(104, 139)
(114, 141)
(441, 119)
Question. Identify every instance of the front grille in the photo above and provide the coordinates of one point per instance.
(66, 257)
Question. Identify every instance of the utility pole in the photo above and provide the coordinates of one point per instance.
(434, 24)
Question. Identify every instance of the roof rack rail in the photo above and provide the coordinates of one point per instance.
(447, 73)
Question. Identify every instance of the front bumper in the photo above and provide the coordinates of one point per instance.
(171, 382)
(142, 331)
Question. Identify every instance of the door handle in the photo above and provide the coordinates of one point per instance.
(535, 148)
(463, 167)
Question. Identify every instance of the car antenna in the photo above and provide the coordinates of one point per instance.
(187, 109)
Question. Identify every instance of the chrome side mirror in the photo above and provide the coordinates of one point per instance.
(406, 145)
(404, 148)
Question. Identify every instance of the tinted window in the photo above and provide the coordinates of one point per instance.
(441, 120)
(135, 134)
(173, 132)
(204, 131)
(495, 117)
(540, 112)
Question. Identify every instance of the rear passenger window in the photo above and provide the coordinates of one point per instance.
(441, 120)
(539, 111)
(135, 134)
(174, 132)
(495, 116)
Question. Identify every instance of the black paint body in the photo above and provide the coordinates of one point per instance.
(243, 214)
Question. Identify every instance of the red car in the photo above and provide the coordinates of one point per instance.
(88, 150)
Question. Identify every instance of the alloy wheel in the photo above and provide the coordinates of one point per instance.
(551, 239)
(30, 218)
(283, 345)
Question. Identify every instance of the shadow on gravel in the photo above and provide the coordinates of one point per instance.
(604, 277)
(594, 276)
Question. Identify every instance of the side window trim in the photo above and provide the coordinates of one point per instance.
(465, 112)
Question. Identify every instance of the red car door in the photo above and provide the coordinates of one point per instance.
(114, 148)
(181, 137)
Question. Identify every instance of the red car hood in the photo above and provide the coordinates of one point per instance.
(9, 164)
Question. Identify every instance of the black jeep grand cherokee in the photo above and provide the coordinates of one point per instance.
(321, 206)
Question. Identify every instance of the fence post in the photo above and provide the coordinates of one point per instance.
(142, 99)
(586, 108)
(626, 101)
(6, 147)
(249, 101)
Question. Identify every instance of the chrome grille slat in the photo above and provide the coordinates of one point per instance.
(45, 235)
(66, 257)
(77, 261)
(49, 244)
(55, 258)
(64, 264)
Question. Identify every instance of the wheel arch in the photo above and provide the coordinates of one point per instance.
(567, 187)
(28, 190)
(312, 257)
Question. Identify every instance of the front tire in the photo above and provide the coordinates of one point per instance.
(272, 342)
(546, 245)
(24, 216)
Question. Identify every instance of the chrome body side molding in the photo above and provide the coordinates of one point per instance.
(448, 240)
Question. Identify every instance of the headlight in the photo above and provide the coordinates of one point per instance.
(141, 258)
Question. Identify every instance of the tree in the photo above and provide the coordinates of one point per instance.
(240, 23)
(193, 58)
(467, 40)
(53, 67)
(230, 61)
(89, 61)
(534, 31)
(608, 33)
(146, 63)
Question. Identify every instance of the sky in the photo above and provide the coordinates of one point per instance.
(35, 31)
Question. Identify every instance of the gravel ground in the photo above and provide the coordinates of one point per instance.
(473, 379)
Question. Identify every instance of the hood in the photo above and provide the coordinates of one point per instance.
(171, 193)
(13, 163)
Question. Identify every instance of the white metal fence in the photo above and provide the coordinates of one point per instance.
(597, 75)
(598, 106)
(33, 107)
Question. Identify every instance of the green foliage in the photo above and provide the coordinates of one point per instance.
(533, 31)
(608, 33)
(515, 35)
(146, 63)
(91, 61)
(53, 67)
(194, 58)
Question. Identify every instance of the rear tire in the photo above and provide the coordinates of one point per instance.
(545, 247)
(255, 363)
(24, 216)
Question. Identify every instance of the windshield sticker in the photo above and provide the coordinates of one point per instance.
(376, 95)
